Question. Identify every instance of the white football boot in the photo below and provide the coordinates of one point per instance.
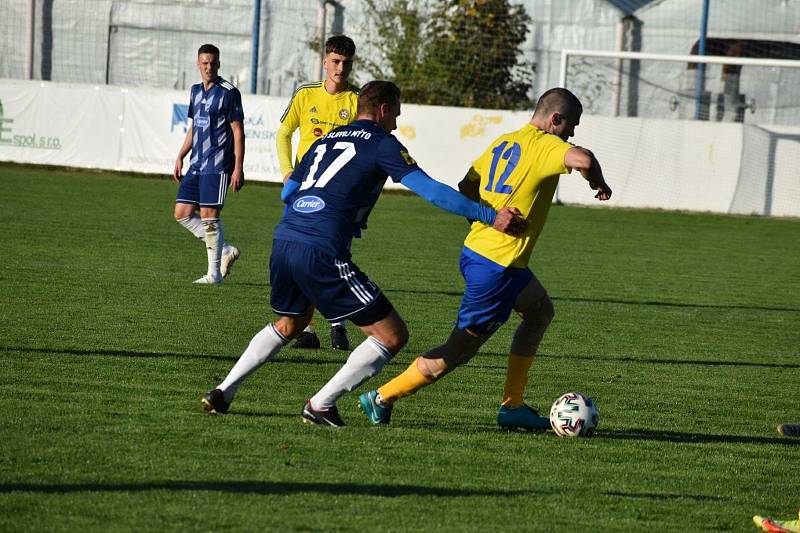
(229, 257)
(208, 280)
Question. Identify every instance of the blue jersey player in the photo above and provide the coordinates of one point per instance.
(216, 140)
(329, 196)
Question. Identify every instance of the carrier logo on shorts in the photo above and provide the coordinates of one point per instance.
(308, 204)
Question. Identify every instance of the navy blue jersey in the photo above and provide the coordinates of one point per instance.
(211, 112)
(341, 177)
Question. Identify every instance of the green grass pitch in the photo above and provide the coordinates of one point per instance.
(685, 328)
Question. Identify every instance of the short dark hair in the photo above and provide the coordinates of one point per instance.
(208, 49)
(557, 100)
(340, 44)
(376, 93)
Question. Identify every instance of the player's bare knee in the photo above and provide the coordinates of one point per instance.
(396, 339)
(290, 327)
(391, 331)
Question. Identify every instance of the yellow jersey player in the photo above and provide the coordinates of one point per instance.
(519, 170)
(317, 108)
(777, 526)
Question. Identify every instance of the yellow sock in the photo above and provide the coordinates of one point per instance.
(516, 379)
(406, 384)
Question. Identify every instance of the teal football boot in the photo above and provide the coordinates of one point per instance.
(522, 417)
(377, 414)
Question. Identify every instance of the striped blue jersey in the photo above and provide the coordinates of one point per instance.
(341, 177)
(211, 112)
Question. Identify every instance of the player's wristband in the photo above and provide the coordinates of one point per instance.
(446, 198)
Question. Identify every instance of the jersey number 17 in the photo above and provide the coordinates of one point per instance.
(348, 152)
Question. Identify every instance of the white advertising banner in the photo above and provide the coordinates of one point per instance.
(155, 124)
(57, 124)
(655, 163)
(666, 164)
(262, 115)
(150, 136)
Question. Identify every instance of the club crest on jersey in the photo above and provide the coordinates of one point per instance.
(407, 157)
(308, 204)
(317, 132)
(344, 114)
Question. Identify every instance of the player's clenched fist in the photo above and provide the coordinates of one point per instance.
(509, 220)
(603, 191)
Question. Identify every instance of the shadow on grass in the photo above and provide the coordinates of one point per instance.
(263, 487)
(262, 414)
(288, 356)
(689, 438)
(679, 437)
(663, 497)
(656, 303)
(501, 362)
(678, 304)
(699, 362)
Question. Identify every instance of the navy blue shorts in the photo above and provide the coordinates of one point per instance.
(302, 276)
(205, 190)
(490, 293)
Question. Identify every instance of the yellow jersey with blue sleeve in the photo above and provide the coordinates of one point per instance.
(520, 169)
(316, 112)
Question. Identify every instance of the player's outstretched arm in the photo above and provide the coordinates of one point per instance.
(289, 188)
(450, 200)
(470, 185)
(177, 170)
(587, 164)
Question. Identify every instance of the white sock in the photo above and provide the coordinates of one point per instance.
(365, 361)
(214, 242)
(194, 225)
(261, 349)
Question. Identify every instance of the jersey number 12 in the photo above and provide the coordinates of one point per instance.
(512, 156)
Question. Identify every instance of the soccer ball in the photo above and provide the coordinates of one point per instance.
(574, 415)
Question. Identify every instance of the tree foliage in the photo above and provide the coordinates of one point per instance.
(451, 52)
